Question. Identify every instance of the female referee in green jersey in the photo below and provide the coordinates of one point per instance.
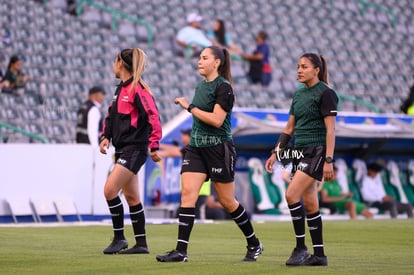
(211, 153)
(312, 120)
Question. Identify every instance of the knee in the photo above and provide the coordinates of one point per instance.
(291, 197)
(229, 205)
(109, 194)
(132, 199)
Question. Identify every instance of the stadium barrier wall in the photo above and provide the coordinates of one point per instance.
(54, 171)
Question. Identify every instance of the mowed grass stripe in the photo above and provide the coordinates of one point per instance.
(352, 247)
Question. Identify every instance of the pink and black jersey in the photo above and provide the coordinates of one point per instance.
(132, 120)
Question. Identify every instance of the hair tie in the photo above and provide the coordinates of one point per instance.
(124, 62)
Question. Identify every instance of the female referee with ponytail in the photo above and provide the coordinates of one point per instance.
(211, 153)
(312, 120)
(133, 125)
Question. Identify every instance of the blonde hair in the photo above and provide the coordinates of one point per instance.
(134, 61)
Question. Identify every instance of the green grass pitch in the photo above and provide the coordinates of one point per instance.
(353, 247)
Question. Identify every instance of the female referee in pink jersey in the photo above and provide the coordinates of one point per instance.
(132, 125)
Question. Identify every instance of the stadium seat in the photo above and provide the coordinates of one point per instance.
(20, 208)
(44, 209)
(66, 209)
(266, 194)
(395, 180)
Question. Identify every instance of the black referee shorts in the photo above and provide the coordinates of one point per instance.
(218, 161)
(131, 159)
(310, 160)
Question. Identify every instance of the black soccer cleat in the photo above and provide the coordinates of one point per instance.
(253, 253)
(298, 257)
(135, 250)
(173, 256)
(116, 246)
(316, 261)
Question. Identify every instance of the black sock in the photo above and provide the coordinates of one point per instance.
(137, 215)
(117, 214)
(242, 220)
(315, 230)
(298, 219)
(186, 218)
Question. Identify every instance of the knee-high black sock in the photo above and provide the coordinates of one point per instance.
(298, 219)
(117, 214)
(242, 220)
(186, 218)
(315, 230)
(137, 215)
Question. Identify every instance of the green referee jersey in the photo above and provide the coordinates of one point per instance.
(207, 94)
(310, 106)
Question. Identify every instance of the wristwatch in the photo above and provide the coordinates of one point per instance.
(190, 107)
(329, 160)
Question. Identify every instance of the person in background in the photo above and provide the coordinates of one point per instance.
(373, 193)
(133, 126)
(221, 38)
(211, 153)
(191, 37)
(260, 70)
(214, 210)
(89, 118)
(14, 76)
(174, 150)
(332, 193)
(312, 120)
(407, 106)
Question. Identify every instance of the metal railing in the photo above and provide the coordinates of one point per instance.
(365, 4)
(116, 15)
(370, 106)
(20, 131)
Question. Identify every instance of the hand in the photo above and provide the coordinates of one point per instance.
(104, 145)
(155, 156)
(269, 163)
(182, 101)
(328, 173)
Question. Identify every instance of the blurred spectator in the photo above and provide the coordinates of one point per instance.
(260, 70)
(374, 194)
(71, 7)
(15, 77)
(213, 208)
(407, 106)
(89, 118)
(221, 38)
(332, 193)
(191, 38)
(175, 150)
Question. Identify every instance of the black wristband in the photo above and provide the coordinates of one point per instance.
(190, 107)
(283, 140)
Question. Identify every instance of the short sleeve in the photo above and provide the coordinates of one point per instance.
(328, 103)
(225, 96)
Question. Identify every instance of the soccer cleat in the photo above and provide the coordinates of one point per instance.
(316, 261)
(116, 246)
(135, 250)
(253, 252)
(173, 256)
(299, 255)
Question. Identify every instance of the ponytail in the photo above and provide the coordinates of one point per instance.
(323, 74)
